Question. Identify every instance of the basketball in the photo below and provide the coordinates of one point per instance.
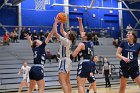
(62, 17)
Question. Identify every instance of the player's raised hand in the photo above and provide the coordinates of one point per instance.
(79, 19)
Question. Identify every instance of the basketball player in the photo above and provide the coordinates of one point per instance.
(64, 33)
(84, 51)
(83, 33)
(36, 73)
(128, 52)
(91, 79)
(25, 71)
(65, 62)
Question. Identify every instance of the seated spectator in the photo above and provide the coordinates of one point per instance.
(16, 30)
(6, 39)
(22, 36)
(41, 35)
(29, 31)
(13, 36)
(34, 35)
(47, 33)
(49, 55)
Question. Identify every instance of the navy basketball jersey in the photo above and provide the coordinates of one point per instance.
(39, 54)
(93, 67)
(88, 52)
(130, 51)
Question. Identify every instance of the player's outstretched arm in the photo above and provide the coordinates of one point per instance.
(55, 29)
(51, 33)
(62, 30)
(77, 50)
(81, 28)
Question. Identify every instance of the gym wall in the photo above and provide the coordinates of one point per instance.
(103, 18)
(8, 16)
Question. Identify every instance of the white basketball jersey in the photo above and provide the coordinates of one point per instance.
(25, 71)
(65, 47)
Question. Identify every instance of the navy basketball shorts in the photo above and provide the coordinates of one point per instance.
(36, 73)
(91, 79)
(83, 70)
(133, 72)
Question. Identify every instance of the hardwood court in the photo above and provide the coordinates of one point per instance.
(131, 88)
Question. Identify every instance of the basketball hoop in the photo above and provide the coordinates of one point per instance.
(40, 5)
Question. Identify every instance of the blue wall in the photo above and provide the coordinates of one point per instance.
(8, 16)
(129, 19)
(31, 17)
(103, 18)
(45, 18)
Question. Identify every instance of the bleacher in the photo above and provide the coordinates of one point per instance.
(11, 58)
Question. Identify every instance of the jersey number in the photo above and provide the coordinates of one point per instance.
(130, 55)
(89, 51)
(35, 55)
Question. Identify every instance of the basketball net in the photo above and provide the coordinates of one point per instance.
(40, 5)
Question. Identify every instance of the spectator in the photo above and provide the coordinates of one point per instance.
(41, 35)
(16, 30)
(22, 36)
(47, 33)
(107, 71)
(15, 36)
(6, 39)
(29, 32)
(95, 40)
(34, 35)
(49, 55)
(128, 28)
(25, 81)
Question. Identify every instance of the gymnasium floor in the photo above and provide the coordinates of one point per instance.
(131, 88)
(114, 89)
